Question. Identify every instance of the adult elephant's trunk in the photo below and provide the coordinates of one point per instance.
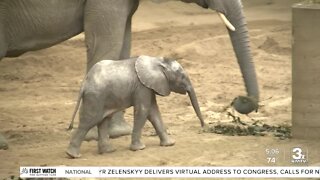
(232, 9)
(195, 104)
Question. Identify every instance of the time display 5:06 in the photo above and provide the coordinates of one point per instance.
(271, 152)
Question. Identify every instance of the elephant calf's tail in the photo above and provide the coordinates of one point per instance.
(77, 105)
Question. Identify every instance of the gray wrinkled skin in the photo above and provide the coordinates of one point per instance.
(25, 26)
(233, 11)
(112, 86)
(245, 105)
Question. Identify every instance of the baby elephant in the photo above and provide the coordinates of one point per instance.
(112, 86)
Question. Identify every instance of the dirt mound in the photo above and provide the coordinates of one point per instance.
(244, 129)
(271, 46)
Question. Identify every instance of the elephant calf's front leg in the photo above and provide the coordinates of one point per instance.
(156, 120)
(140, 117)
(104, 145)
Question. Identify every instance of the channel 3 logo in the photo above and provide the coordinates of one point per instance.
(299, 155)
(24, 171)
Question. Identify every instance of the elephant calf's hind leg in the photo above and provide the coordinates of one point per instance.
(90, 115)
(74, 147)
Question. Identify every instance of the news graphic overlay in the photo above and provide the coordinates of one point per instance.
(299, 155)
(273, 155)
(171, 172)
(38, 172)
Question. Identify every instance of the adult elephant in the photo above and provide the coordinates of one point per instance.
(27, 25)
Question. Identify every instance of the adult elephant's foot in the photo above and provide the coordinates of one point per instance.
(118, 126)
(92, 134)
(3, 143)
(106, 148)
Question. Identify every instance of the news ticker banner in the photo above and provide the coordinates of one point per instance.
(170, 172)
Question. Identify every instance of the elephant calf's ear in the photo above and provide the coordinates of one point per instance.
(150, 73)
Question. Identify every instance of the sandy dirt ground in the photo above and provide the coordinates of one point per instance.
(38, 92)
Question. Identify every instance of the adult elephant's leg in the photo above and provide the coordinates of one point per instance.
(117, 126)
(126, 48)
(108, 36)
(108, 29)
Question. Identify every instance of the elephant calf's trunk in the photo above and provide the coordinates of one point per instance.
(195, 105)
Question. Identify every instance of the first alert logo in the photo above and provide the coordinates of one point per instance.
(42, 170)
(24, 171)
(39, 171)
